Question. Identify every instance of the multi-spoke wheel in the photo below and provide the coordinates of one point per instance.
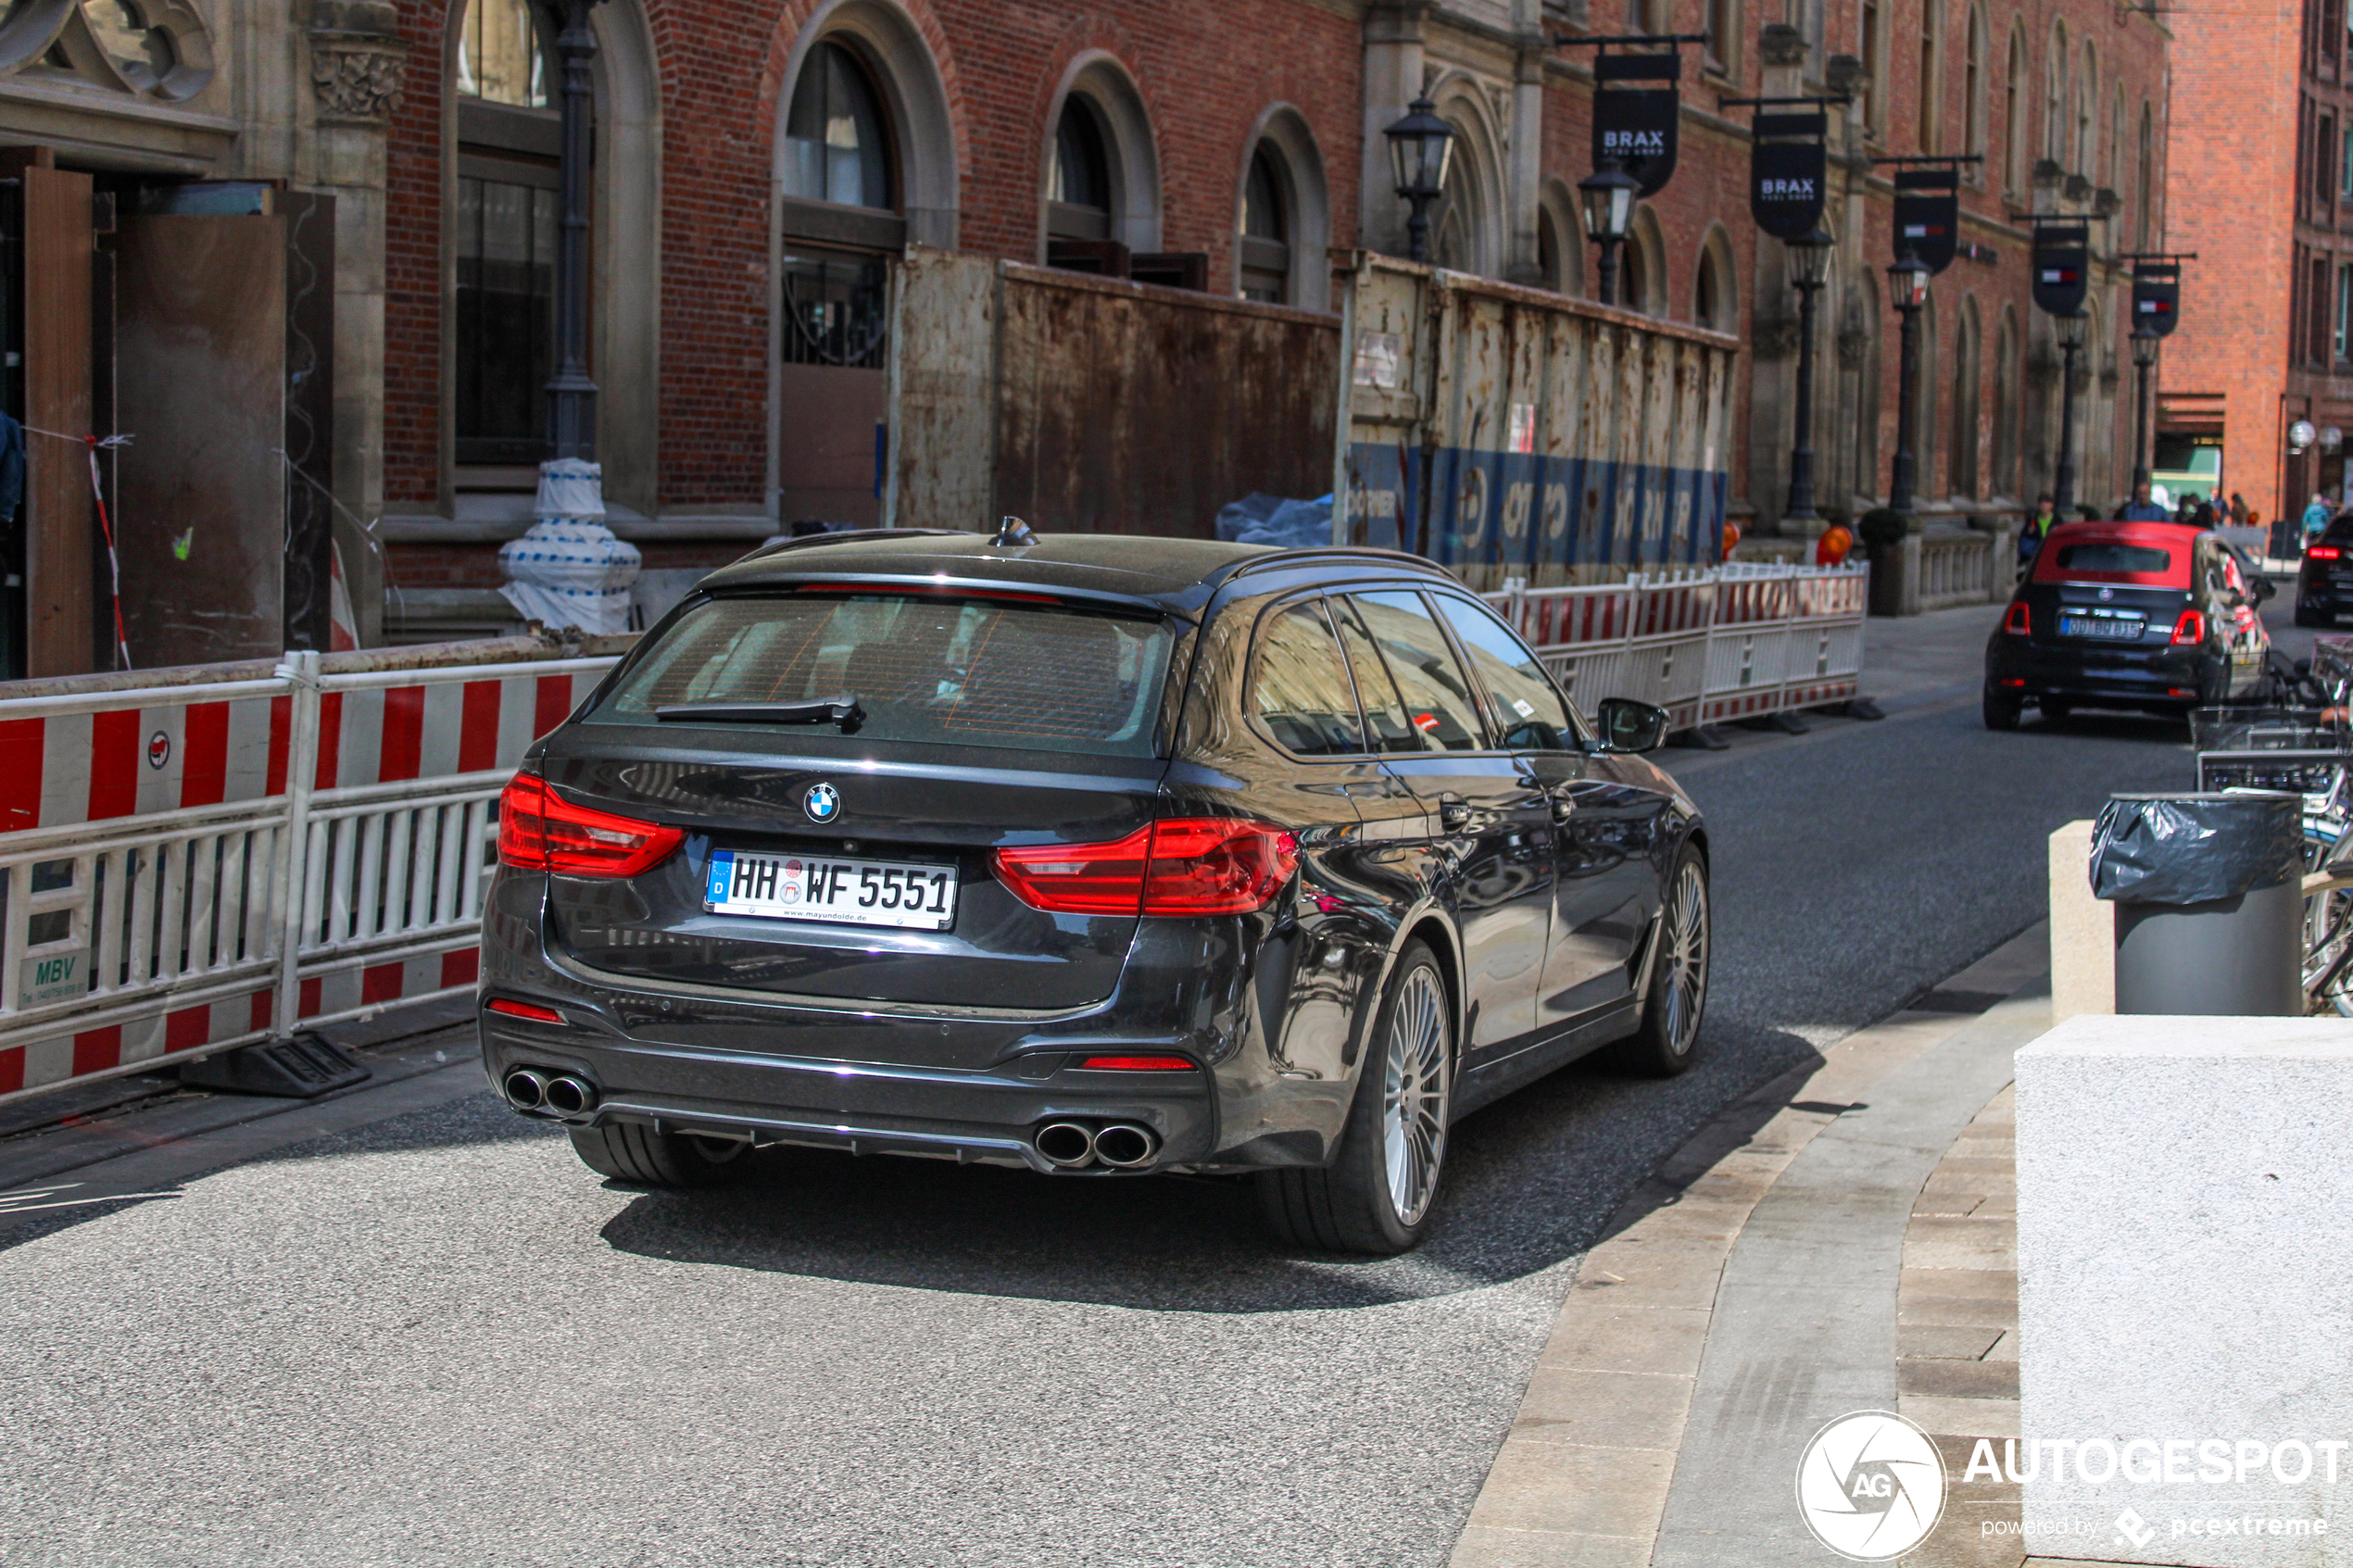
(1375, 1195)
(1678, 998)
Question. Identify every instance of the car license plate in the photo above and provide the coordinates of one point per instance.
(893, 893)
(2115, 627)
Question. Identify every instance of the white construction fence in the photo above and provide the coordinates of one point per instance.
(193, 866)
(1727, 641)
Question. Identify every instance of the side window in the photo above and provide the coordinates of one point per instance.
(1384, 713)
(1299, 689)
(1521, 696)
(1437, 693)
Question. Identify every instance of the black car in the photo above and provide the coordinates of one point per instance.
(2154, 616)
(2325, 582)
(1097, 855)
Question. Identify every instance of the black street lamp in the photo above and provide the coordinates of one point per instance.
(1809, 266)
(1907, 285)
(2144, 358)
(572, 395)
(1421, 147)
(2070, 338)
(1609, 193)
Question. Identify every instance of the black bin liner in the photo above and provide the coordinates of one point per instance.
(2195, 848)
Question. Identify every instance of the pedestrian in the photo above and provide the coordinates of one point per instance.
(2037, 527)
(2205, 515)
(2140, 508)
(2238, 509)
(1831, 547)
(2316, 523)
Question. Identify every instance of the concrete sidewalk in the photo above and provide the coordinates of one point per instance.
(1842, 1239)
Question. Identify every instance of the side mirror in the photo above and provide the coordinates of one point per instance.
(1628, 725)
(2265, 589)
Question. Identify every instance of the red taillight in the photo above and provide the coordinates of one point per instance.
(540, 831)
(1184, 866)
(2190, 630)
(525, 1010)
(2324, 552)
(2018, 622)
(1138, 1064)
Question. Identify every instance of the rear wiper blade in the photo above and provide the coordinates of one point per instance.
(842, 711)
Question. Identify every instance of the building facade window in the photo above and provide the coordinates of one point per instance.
(1932, 88)
(1079, 193)
(1266, 229)
(502, 336)
(1724, 35)
(2014, 144)
(2144, 184)
(836, 138)
(1973, 86)
(2342, 333)
(1874, 47)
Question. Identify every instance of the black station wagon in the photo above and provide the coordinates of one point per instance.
(1097, 855)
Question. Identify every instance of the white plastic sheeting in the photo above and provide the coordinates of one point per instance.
(569, 569)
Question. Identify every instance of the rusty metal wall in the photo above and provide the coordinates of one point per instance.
(1090, 405)
(1510, 433)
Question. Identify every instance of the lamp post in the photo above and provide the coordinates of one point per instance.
(572, 395)
(1907, 285)
(1809, 264)
(2143, 358)
(1608, 193)
(1421, 147)
(2070, 338)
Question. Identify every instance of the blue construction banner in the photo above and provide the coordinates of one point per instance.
(1518, 512)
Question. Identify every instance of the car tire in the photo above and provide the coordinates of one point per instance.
(1396, 1133)
(2306, 617)
(632, 1152)
(2054, 711)
(1675, 1002)
(2001, 712)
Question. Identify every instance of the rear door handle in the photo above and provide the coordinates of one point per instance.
(1453, 813)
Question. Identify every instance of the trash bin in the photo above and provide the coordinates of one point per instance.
(2209, 901)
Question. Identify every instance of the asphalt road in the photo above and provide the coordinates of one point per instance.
(437, 1338)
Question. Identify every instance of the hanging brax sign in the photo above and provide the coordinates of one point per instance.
(1636, 125)
(2157, 296)
(1928, 215)
(1785, 178)
(2062, 268)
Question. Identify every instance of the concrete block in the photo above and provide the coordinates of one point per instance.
(2083, 930)
(2185, 1303)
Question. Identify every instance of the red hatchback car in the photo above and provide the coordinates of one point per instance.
(2139, 615)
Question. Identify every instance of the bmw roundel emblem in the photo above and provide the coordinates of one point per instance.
(823, 803)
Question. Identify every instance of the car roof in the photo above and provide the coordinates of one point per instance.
(1179, 575)
(2159, 534)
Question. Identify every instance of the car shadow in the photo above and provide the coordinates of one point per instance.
(1532, 1183)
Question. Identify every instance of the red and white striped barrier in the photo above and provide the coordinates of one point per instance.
(190, 868)
(1731, 642)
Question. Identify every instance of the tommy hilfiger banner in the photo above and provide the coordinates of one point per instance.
(2157, 296)
(2062, 266)
(1636, 125)
(1927, 215)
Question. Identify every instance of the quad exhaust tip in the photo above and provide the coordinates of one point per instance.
(570, 1096)
(1074, 1146)
(525, 1090)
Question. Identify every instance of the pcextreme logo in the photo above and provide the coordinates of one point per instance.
(1871, 1485)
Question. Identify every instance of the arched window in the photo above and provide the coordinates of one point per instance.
(1079, 193)
(1966, 374)
(2144, 184)
(2009, 367)
(1633, 270)
(499, 57)
(1469, 232)
(2014, 170)
(1266, 229)
(1973, 84)
(2055, 77)
(502, 336)
(1932, 88)
(1560, 240)
(1715, 299)
(836, 137)
(2087, 114)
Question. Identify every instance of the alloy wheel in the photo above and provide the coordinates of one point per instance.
(1686, 957)
(1414, 1095)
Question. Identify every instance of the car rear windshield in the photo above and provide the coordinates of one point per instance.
(924, 668)
(2115, 560)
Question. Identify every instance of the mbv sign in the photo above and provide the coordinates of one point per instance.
(1787, 169)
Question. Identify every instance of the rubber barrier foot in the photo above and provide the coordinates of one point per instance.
(301, 1068)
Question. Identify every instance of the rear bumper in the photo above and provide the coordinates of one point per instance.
(868, 1078)
(2150, 678)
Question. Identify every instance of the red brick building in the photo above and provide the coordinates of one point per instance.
(2263, 191)
(760, 161)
